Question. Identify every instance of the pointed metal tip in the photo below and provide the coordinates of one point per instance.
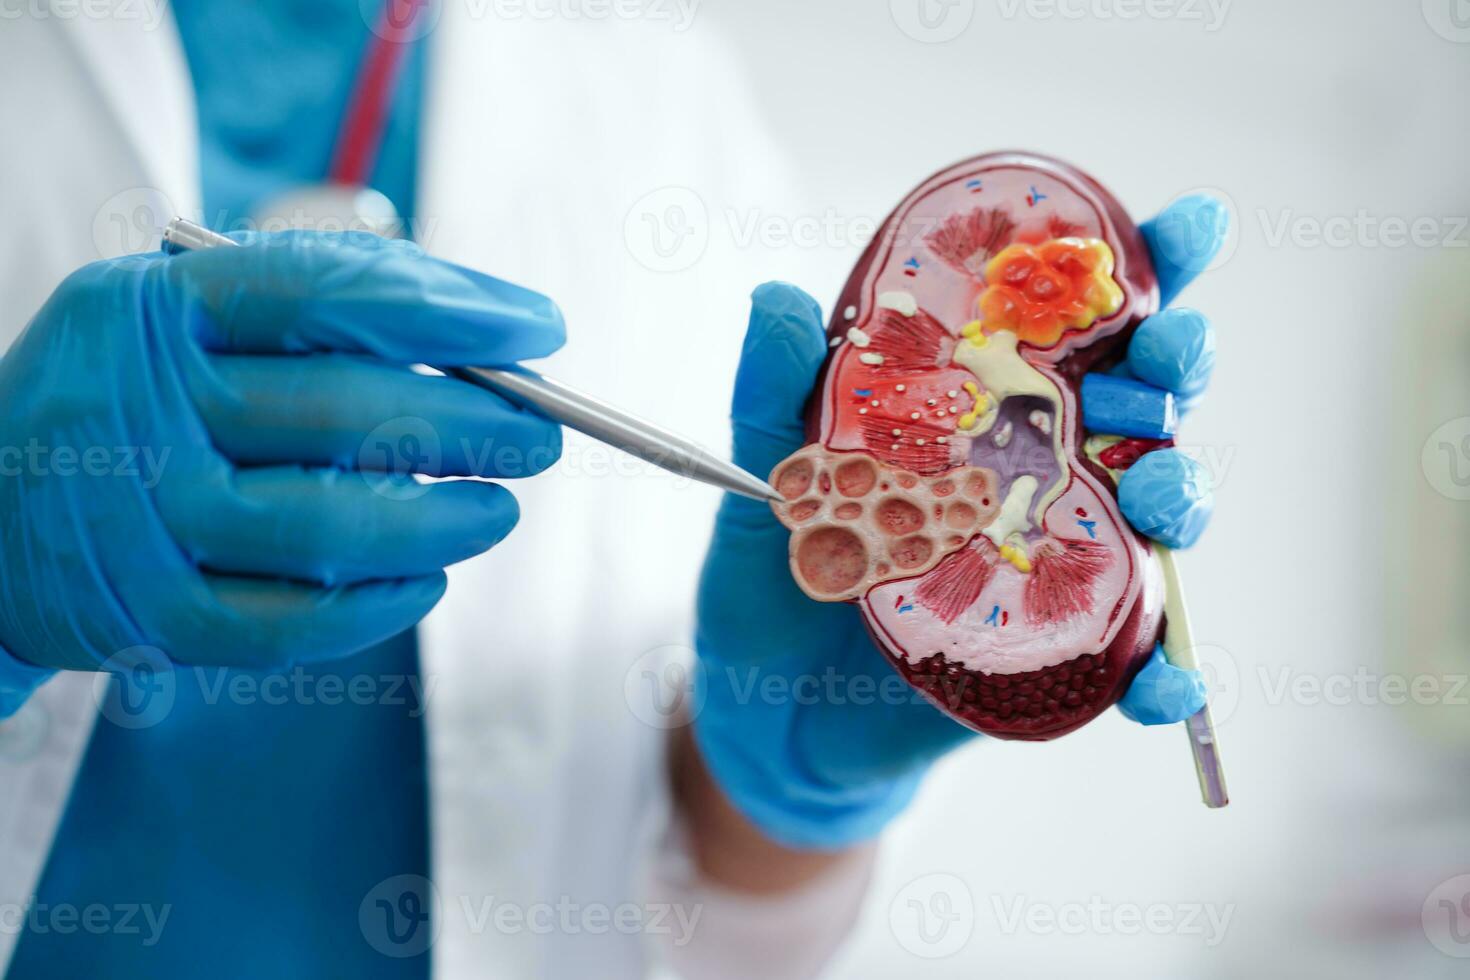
(736, 480)
(755, 488)
(767, 492)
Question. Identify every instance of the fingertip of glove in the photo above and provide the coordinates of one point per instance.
(1202, 220)
(502, 511)
(1184, 239)
(1163, 694)
(1168, 497)
(1174, 350)
(551, 324)
(424, 591)
(477, 319)
(781, 300)
(540, 327)
(786, 322)
(403, 602)
(1169, 466)
(386, 608)
(784, 346)
(479, 517)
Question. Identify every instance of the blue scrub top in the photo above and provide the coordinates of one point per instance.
(241, 836)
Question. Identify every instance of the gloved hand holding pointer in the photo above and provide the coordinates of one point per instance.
(188, 434)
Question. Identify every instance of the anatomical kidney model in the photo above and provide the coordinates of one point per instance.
(946, 489)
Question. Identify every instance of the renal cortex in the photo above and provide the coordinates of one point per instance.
(945, 488)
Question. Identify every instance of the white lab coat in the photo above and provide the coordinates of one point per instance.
(541, 137)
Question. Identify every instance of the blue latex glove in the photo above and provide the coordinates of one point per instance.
(225, 398)
(1163, 694)
(808, 730)
(1166, 495)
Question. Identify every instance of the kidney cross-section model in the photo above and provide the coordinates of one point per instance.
(945, 489)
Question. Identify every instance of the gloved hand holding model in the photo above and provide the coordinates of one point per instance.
(190, 429)
(841, 749)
